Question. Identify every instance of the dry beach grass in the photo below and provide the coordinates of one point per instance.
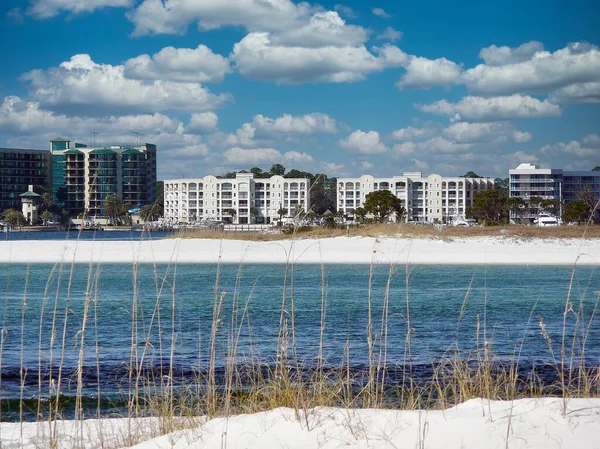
(403, 231)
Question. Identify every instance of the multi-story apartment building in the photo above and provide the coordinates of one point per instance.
(426, 199)
(83, 177)
(241, 200)
(527, 180)
(20, 168)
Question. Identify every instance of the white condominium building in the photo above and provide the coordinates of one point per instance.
(241, 200)
(431, 199)
(550, 184)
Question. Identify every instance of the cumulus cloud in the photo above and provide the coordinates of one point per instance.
(179, 64)
(314, 123)
(90, 88)
(485, 132)
(390, 34)
(580, 93)
(257, 56)
(480, 109)
(21, 117)
(324, 29)
(333, 168)
(173, 16)
(43, 9)
(256, 156)
(423, 73)
(405, 148)
(592, 140)
(497, 56)
(543, 72)
(346, 11)
(202, 123)
(380, 12)
(442, 145)
(573, 148)
(364, 142)
(366, 165)
(413, 133)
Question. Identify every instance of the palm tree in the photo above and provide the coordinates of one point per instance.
(46, 201)
(113, 208)
(281, 212)
(46, 216)
(231, 212)
(150, 212)
(253, 213)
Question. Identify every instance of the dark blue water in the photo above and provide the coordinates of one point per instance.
(112, 317)
(85, 235)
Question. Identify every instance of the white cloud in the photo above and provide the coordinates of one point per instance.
(423, 73)
(173, 16)
(202, 123)
(485, 132)
(346, 11)
(380, 12)
(20, 117)
(189, 151)
(258, 57)
(592, 140)
(443, 145)
(497, 56)
(179, 64)
(89, 88)
(364, 142)
(43, 9)
(324, 29)
(390, 34)
(314, 123)
(243, 137)
(405, 148)
(297, 158)
(573, 148)
(240, 156)
(333, 168)
(479, 109)
(412, 133)
(244, 157)
(522, 137)
(543, 72)
(366, 165)
(580, 93)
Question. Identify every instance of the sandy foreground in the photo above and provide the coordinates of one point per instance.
(475, 250)
(475, 424)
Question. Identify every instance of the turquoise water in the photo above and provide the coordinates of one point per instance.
(102, 309)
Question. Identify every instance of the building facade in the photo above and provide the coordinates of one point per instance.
(83, 177)
(527, 181)
(241, 200)
(426, 199)
(20, 168)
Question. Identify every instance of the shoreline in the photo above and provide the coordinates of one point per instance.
(506, 250)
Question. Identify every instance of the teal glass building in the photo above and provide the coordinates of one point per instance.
(83, 177)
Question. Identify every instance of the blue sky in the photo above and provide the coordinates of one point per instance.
(340, 87)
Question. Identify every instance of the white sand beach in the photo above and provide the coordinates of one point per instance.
(359, 250)
(475, 424)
